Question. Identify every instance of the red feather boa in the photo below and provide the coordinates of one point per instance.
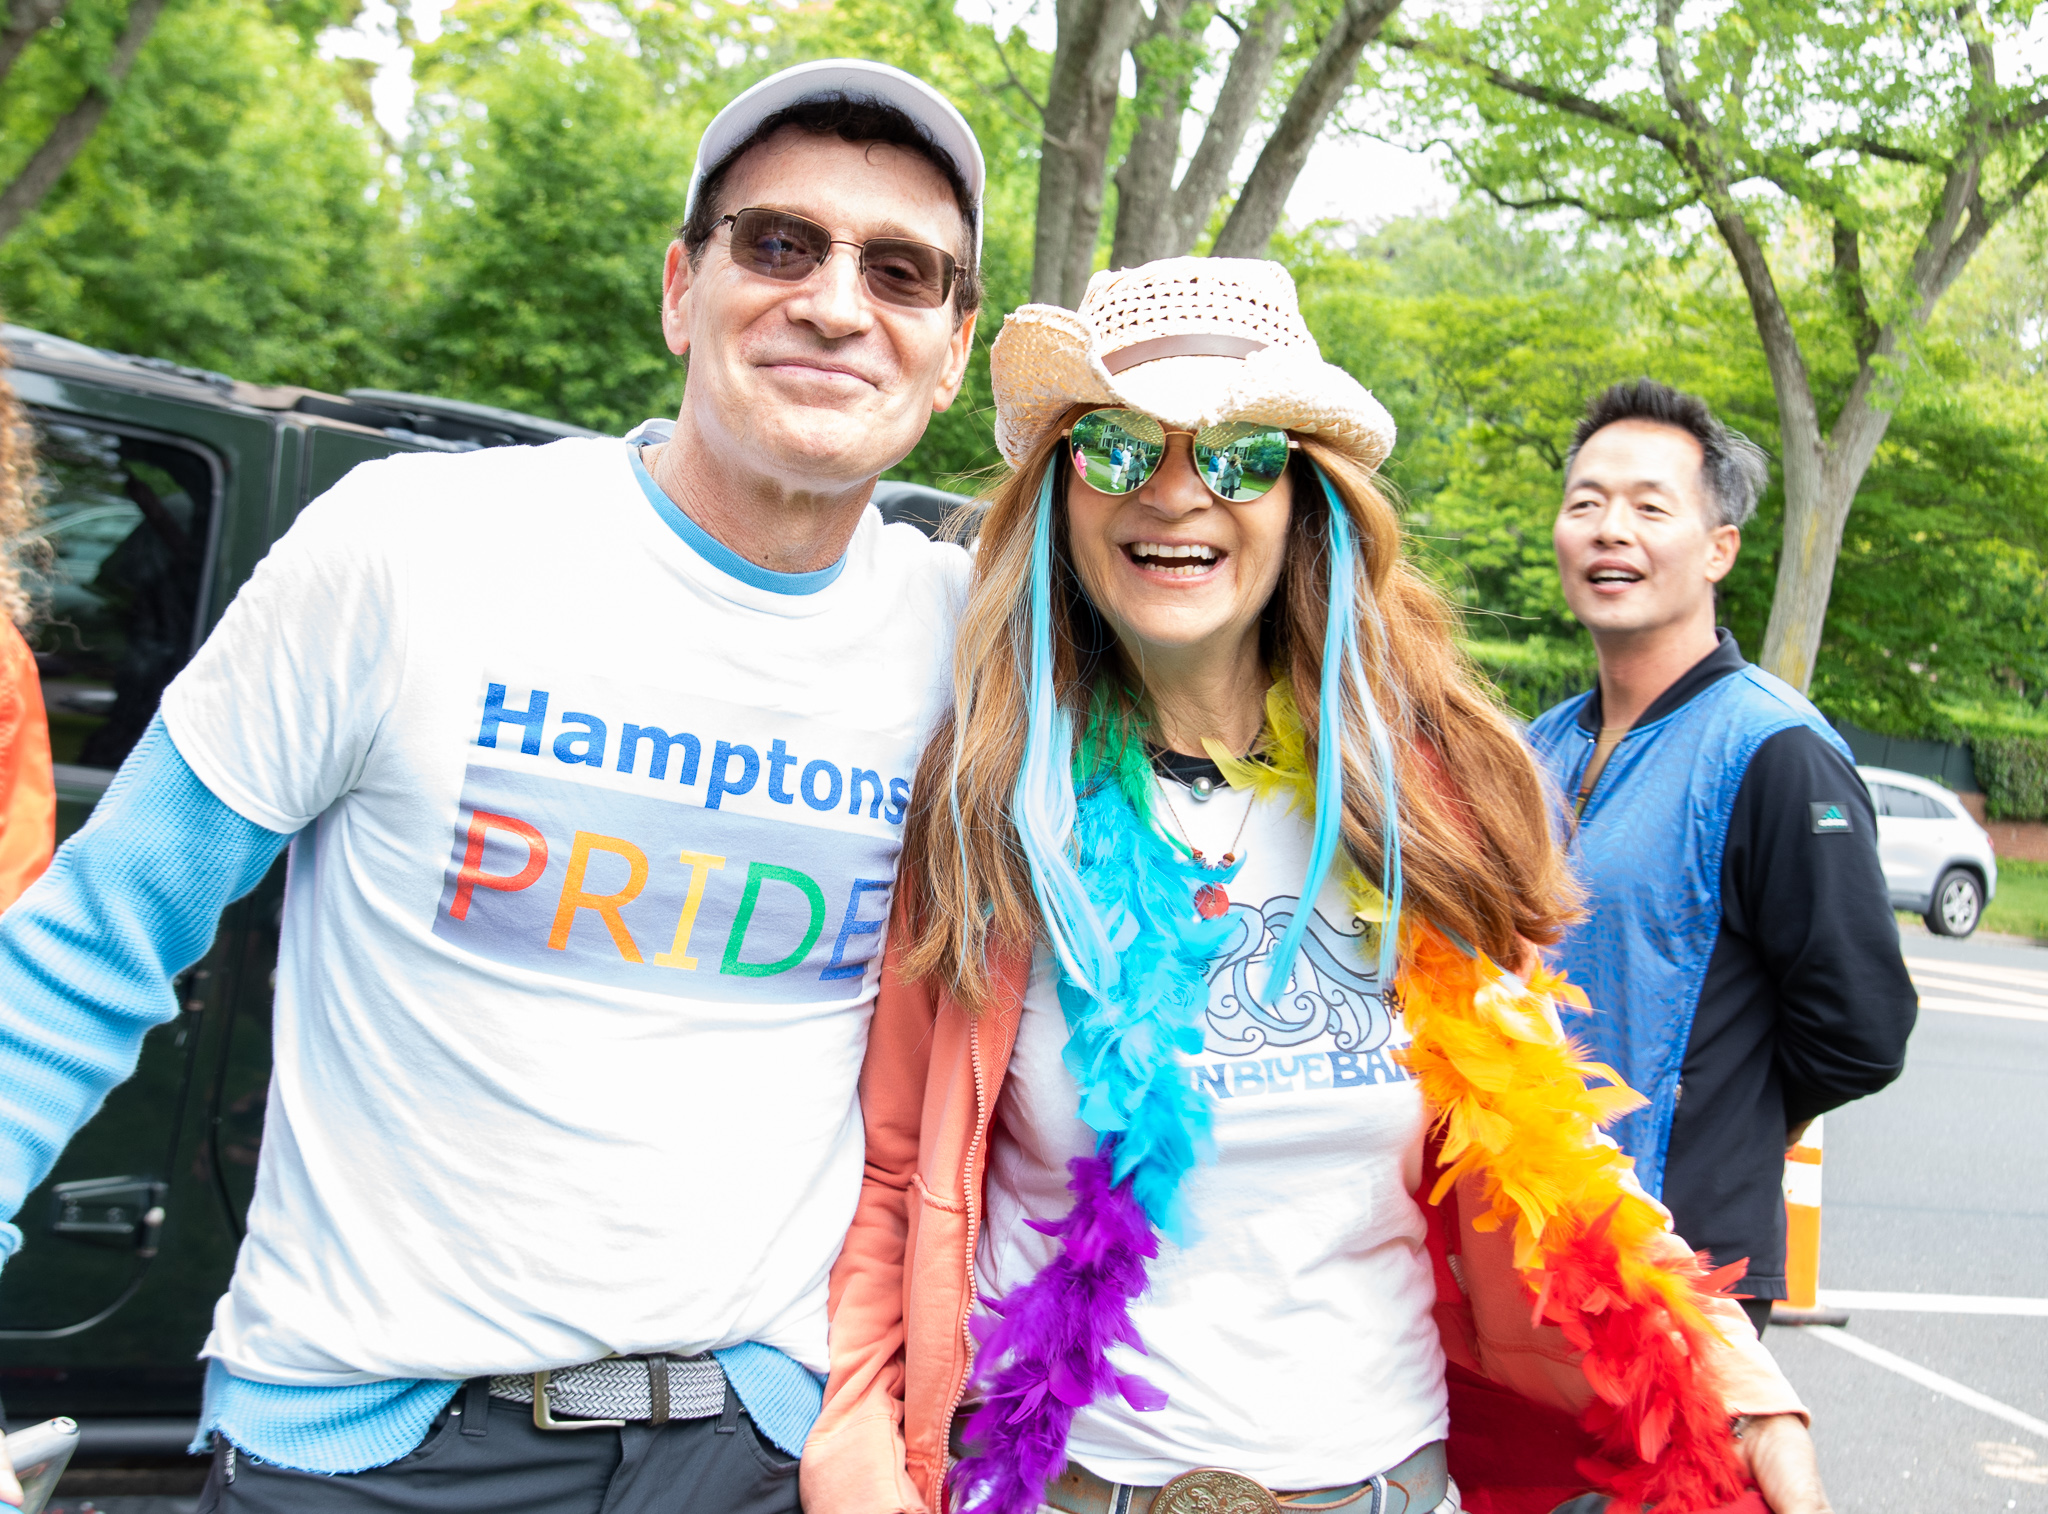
(1513, 1108)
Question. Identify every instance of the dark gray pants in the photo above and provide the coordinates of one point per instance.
(486, 1456)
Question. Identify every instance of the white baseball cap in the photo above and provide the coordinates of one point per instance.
(858, 79)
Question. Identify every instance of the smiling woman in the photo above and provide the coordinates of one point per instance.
(1217, 786)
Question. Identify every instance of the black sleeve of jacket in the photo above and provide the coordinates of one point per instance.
(1814, 908)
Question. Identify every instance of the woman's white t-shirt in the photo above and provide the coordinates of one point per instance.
(1292, 1331)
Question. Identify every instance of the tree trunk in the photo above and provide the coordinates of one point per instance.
(24, 19)
(1154, 219)
(1822, 477)
(1821, 480)
(46, 166)
(1144, 183)
(1256, 216)
(1080, 110)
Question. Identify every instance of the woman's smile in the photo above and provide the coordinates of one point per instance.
(1175, 562)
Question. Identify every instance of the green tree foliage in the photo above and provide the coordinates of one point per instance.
(550, 173)
(238, 210)
(231, 212)
(1485, 341)
(1897, 135)
(2014, 772)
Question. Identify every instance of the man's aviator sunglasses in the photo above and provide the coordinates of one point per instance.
(789, 249)
(1116, 451)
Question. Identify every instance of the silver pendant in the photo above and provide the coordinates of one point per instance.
(1203, 788)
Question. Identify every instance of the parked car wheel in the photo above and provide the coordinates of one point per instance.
(1958, 903)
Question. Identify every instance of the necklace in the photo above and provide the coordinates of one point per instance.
(1211, 899)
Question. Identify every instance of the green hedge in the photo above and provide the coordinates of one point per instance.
(2009, 749)
(1535, 674)
(2014, 772)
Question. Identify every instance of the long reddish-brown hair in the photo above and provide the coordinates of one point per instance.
(1478, 859)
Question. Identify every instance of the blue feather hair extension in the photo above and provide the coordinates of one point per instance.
(1043, 802)
(1340, 654)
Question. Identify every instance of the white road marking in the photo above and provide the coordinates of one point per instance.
(1926, 1378)
(1933, 1303)
(1983, 1007)
(1924, 979)
(2017, 977)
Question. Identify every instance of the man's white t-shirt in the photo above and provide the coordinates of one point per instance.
(1292, 1333)
(594, 844)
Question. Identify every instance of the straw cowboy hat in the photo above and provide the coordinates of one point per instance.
(1190, 341)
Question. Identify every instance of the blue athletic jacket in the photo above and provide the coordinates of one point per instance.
(1649, 851)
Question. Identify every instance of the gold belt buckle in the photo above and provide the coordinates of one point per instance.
(1212, 1490)
(544, 1414)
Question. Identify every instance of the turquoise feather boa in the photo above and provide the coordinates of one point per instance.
(1122, 1047)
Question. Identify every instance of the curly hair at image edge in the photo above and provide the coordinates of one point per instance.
(19, 493)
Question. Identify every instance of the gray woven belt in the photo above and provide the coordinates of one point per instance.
(619, 1390)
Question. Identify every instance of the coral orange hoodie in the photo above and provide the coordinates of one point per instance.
(28, 792)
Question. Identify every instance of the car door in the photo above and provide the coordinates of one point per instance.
(93, 1320)
(1912, 839)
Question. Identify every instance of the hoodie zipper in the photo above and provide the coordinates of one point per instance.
(973, 1235)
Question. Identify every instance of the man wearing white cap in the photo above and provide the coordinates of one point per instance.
(593, 761)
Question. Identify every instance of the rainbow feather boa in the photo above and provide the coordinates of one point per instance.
(1513, 1109)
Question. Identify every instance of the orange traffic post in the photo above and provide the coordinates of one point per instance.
(1801, 1305)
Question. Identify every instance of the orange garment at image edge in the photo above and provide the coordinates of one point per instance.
(28, 789)
(902, 1291)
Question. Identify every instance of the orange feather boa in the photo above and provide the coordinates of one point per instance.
(1513, 1106)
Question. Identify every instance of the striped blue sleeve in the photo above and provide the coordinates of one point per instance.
(88, 953)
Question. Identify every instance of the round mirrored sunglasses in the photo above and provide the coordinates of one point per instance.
(788, 248)
(1116, 451)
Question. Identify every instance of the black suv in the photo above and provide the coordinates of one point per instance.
(164, 486)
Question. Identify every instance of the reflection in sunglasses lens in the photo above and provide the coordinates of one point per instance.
(1115, 451)
(781, 247)
(1240, 462)
(1109, 457)
(789, 248)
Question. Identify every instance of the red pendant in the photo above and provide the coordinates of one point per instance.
(1211, 901)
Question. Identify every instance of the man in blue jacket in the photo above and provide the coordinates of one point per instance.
(1738, 947)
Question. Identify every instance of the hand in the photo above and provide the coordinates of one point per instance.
(10, 1489)
(1779, 1451)
(1796, 1134)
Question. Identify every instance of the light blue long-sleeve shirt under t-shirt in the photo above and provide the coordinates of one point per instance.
(87, 957)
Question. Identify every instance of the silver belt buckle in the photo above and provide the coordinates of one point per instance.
(1212, 1490)
(544, 1415)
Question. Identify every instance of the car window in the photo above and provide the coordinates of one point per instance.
(1881, 796)
(115, 563)
(1911, 804)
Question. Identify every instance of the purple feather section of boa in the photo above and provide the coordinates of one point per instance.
(1049, 1341)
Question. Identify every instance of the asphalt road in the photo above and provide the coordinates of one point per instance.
(1939, 1185)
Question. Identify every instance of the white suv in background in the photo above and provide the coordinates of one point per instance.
(1937, 860)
